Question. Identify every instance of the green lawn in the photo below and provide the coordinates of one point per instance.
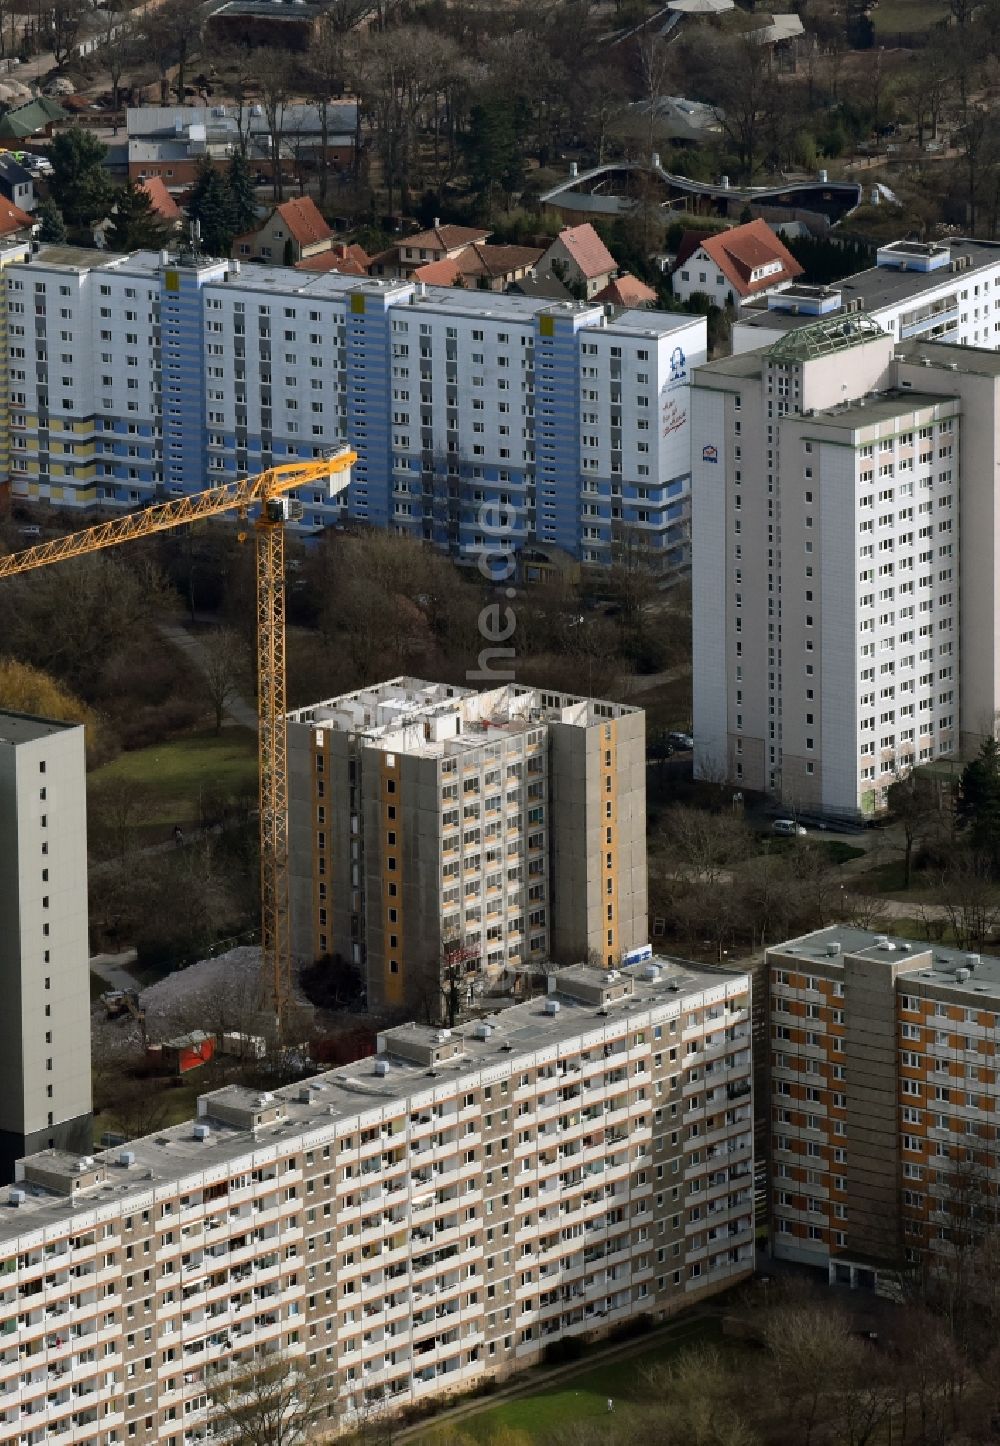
(171, 777)
(892, 16)
(579, 1397)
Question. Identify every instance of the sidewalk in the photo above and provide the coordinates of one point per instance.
(192, 646)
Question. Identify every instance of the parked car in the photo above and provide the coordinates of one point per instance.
(683, 741)
(787, 827)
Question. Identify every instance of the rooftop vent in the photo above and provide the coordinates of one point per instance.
(17, 1197)
(651, 971)
(880, 941)
(381, 1068)
(833, 949)
(961, 976)
(126, 1158)
(552, 1006)
(201, 1132)
(972, 961)
(482, 1030)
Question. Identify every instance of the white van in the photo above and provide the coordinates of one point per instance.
(787, 827)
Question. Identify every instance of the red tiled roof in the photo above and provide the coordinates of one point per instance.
(304, 221)
(588, 250)
(739, 252)
(483, 260)
(445, 238)
(348, 260)
(445, 272)
(627, 290)
(476, 261)
(12, 218)
(163, 203)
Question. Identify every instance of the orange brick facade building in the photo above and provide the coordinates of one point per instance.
(883, 1095)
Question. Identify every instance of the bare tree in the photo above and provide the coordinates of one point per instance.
(115, 809)
(809, 1345)
(271, 1400)
(65, 18)
(137, 1110)
(970, 900)
(273, 77)
(170, 33)
(117, 52)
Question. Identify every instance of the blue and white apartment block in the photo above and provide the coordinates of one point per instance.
(482, 422)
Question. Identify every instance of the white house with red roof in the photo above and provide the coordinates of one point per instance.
(733, 267)
(579, 259)
(294, 231)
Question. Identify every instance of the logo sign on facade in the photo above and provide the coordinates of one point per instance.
(710, 454)
(678, 365)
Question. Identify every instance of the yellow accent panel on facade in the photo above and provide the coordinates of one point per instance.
(358, 303)
(546, 326)
(172, 281)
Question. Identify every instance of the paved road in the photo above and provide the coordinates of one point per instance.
(193, 648)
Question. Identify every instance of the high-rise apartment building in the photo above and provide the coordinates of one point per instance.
(442, 839)
(945, 291)
(566, 421)
(844, 554)
(45, 1097)
(409, 1224)
(884, 1098)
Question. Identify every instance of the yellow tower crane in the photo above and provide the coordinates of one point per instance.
(268, 492)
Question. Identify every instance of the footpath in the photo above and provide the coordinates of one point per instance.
(542, 1378)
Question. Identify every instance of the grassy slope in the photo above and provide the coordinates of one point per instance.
(172, 775)
(580, 1397)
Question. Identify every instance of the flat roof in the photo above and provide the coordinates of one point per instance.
(976, 360)
(18, 728)
(868, 411)
(878, 287)
(242, 275)
(745, 364)
(934, 964)
(173, 1158)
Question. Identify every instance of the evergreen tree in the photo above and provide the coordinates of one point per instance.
(241, 188)
(978, 810)
(52, 228)
(79, 184)
(211, 205)
(494, 155)
(136, 225)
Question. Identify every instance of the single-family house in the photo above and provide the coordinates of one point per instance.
(734, 266)
(479, 265)
(580, 259)
(627, 291)
(16, 183)
(292, 232)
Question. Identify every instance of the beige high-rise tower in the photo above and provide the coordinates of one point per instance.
(444, 840)
(45, 1091)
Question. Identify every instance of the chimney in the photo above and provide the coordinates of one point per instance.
(437, 222)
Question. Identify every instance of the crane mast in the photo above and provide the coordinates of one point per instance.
(267, 492)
